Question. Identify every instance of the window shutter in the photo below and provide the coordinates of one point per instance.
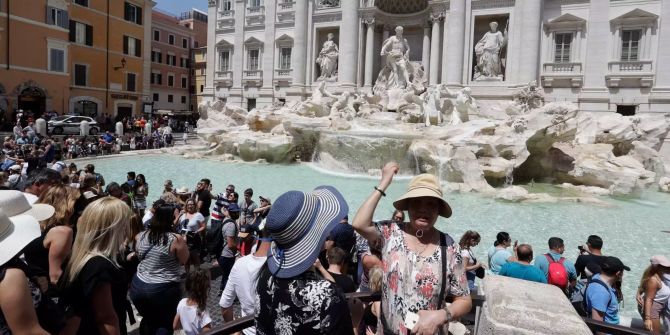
(125, 45)
(126, 11)
(89, 35)
(49, 19)
(73, 31)
(139, 15)
(64, 19)
(138, 48)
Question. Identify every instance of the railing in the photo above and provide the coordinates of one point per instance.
(226, 14)
(283, 73)
(477, 302)
(630, 66)
(285, 6)
(324, 4)
(255, 11)
(224, 75)
(253, 73)
(562, 67)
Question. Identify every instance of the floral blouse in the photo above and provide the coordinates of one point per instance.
(412, 282)
(305, 304)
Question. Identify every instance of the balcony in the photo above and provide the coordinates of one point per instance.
(630, 74)
(225, 14)
(225, 19)
(283, 76)
(283, 7)
(562, 75)
(224, 77)
(255, 16)
(252, 77)
(255, 11)
(285, 12)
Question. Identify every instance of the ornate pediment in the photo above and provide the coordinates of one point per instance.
(565, 21)
(401, 6)
(635, 17)
(252, 41)
(223, 43)
(284, 40)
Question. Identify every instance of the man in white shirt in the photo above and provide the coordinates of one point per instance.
(241, 284)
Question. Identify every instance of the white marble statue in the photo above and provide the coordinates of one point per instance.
(315, 106)
(464, 105)
(487, 50)
(343, 107)
(327, 59)
(432, 107)
(396, 50)
(529, 97)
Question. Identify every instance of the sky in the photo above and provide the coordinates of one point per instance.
(176, 7)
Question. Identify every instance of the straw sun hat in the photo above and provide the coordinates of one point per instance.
(423, 185)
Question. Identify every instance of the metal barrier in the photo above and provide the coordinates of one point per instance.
(477, 301)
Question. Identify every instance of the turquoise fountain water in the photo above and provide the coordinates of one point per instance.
(631, 228)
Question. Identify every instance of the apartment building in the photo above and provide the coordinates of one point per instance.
(34, 67)
(108, 49)
(197, 21)
(170, 64)
(86, 57)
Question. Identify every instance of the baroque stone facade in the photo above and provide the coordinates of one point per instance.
(603, 55)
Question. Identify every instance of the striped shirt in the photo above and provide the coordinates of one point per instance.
(157, 265)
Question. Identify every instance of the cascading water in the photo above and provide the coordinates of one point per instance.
(509, 178)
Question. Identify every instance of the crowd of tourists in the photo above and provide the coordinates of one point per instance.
(79, 252)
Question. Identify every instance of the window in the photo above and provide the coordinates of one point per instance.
(183, 99)
(202, 88)
(170, 80)
(252, 63)
(285, 59)
(191, 89)
(183, 82)
(170, 98)
(562, 47)
(156, 96)
(57, 17)
(132, 13)
(56, 60)
(156, 78)
(171, 39)
(156, 56)
(157, 35)
(224, 60)
(130, 82)
(80, 74)
(132, 46)
(81, 2)
(184, 43)
(226, 5)
(251, 104)
(254, 3)
(81, 33)
(630, 45)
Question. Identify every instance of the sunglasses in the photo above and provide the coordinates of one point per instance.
(229, 190)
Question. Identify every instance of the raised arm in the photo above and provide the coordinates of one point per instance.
(363, 220)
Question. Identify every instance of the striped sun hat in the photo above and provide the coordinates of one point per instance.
(299, 223)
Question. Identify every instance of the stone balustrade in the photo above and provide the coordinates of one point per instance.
(285, 7)
(562, 68)
(630, 66)
(256, 11)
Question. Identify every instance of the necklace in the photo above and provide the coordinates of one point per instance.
(418, 236)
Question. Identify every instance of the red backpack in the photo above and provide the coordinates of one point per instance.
(557, 274)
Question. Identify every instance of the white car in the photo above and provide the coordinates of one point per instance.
(70, 124)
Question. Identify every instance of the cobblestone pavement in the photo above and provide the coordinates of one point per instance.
(212, 302)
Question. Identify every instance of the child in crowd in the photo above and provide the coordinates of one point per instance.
(192, 315)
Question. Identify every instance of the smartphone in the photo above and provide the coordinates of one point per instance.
(411, 319)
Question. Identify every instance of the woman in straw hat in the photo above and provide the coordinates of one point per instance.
(421, 264)
(19, 225)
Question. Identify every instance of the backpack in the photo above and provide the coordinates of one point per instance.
(557, 275)
(578, 298)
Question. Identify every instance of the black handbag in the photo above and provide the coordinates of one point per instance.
(480, 273)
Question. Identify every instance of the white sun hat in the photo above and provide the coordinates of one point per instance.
(14, 203)
(15, 233)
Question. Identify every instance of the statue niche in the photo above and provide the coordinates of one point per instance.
(490, 52)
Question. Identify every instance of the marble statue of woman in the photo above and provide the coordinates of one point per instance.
(327, 58)
(488, 54)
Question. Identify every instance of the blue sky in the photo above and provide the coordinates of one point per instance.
(178, 6)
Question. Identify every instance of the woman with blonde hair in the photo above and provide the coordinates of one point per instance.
(46, 254)
(95, 282)
(653, 293)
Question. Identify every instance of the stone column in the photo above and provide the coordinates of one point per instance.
(598, 28)
(239, 53)
(425, 52)
(369, 50)
(208, 90)
(269, 46)
(299, 52)
(662, 62)
(434, 66)
(529, 64)
(348, 52)
(453, 58)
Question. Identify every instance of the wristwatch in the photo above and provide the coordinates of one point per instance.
(449, 317)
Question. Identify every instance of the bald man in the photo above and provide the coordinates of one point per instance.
(522, 269)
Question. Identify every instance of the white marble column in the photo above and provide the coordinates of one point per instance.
(455, 28)
(425, 52)
(599, 36)
(386, 32)
(369, 50)
(240, 52)
(299, 52)
(208, 90)
(269, 47)
(529, 65)
(348, 35)
(662, 62)
(434, 66)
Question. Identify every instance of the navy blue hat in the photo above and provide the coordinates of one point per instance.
(233, 207)
(299, 223)
(344, 237)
